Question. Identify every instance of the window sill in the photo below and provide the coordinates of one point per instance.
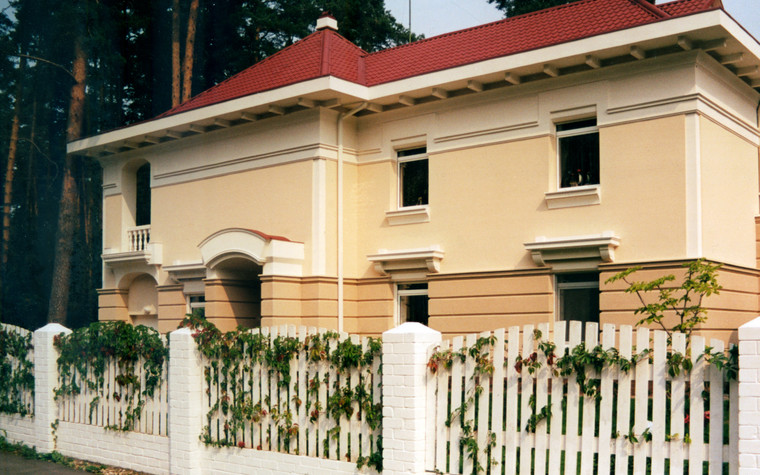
(571, 197)
(408, 215)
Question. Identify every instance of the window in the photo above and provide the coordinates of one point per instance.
(142, 198)
(578, 150)
(197, 305)
(412, 303)
(579, 297)
(413, 177)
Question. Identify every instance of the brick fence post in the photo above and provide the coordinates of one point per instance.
(749, 398)
(185, 404)
(405, 354)
(45, 382)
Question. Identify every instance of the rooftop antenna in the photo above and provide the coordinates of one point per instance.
(410, 21)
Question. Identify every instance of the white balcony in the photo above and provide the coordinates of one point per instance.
(138, 238)
(136, 247)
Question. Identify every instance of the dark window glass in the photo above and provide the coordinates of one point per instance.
(579, 297)
(142, 205)
(413, 308)
(578, 155)
(414, 182)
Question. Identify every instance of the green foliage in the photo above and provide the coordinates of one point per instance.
(684, 301)
(230, 355)
(16, 371)
(86, 353)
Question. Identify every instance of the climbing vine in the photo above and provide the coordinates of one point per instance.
(231, 355)
(580, 362)
(16, 371)
(137, 354)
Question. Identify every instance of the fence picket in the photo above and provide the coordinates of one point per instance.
(442, 412)
(622, 445)
(696, 406)
(265, 424)
(323, 381)
(641, 401)
(510, 435)
(589, 406)
(605, 408)
(716, 412)
(353, 423)
(526, 393)
(456, 403)
(558, 389)
(482, 412)
(677, 406)
(256, 382)
(733, 427)
(573, 399)
(497, 418)
(468, 460)
(542, 400)
(659, 370)
(311, 400)
(365, 378)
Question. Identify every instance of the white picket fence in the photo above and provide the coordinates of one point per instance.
(291, 418)
(638, 430)
(23, 396)
(106, 405)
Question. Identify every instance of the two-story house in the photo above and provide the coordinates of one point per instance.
(484, 178)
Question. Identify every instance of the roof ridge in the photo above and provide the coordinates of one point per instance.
(257, 64)
(545, 11)
(652, 8)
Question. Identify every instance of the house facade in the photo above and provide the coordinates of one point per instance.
(485, 178)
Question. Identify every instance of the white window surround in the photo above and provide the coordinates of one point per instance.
(575, 196)
(574, 252)
(406, 265)
(408, 215)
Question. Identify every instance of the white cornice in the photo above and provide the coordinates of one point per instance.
(706, 25)
(573, 251)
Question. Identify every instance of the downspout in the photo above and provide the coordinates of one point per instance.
(341, 117)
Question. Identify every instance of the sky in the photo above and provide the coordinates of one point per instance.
(435, 17)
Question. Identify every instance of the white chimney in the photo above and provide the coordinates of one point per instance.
(327, 21)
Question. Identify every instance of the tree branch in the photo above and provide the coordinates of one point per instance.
(37, 58)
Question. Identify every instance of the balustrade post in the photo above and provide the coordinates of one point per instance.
(406, 350)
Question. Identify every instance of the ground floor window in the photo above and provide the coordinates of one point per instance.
(196, 305)
(578, 296)
(412, 303)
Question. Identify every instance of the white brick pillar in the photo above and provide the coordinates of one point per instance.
(45, 382)
(405, 354)
(185, 403)
(749, 398)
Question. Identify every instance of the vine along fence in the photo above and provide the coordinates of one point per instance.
(297, 392)
(16, 370)
(495, 415)
(110, 400)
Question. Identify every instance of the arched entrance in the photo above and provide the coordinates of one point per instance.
(233, 292)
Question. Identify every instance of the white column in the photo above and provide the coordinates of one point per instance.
(749, 398)
(405, 353)
(185, 404)
(45, 382)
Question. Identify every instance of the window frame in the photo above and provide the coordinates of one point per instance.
(402, 158)
(575, 132)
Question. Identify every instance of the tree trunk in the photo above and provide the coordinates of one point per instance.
(187, 69)
(10, 173)
(175, 54)
(69, 204)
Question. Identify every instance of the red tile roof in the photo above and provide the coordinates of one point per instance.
(326, 53)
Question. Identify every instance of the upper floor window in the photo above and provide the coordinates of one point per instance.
(142, 195)
(578, 150)
(413, 177)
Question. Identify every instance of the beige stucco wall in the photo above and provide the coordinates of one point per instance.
(729, 194)
(274, 200)
(487, 201)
